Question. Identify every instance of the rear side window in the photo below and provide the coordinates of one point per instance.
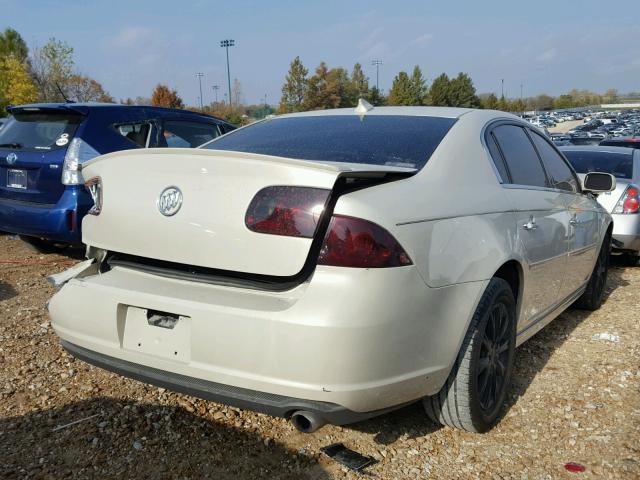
(137, 133)
(39, 129)
(520, 156)
(618, 164)
(498, 161)
(185, 134)
(391, 140)
(561, 176)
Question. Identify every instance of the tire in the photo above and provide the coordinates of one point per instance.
(631, 259)
(474, 393)
(593, 295)
(42, 245)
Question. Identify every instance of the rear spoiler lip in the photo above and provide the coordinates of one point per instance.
(82, 110)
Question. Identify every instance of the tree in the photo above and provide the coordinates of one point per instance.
(85, 89)
(236, 92)
(11, 43)
(162, 96)
(16, 86)
(294, 88)
(52, 67)
(376, 98)
(318, 96)
(502, 104)
(439, 91)
(418, 86)
(489, 101)
(402, 91)
(462, 93)
(339, 89)
(359, 83)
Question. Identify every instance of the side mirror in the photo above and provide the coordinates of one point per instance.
(598, 182)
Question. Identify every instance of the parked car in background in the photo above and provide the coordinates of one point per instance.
(43, 147)
(624, 202)
(329, 266)
(630, 142)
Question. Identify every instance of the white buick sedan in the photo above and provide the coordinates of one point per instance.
(331, 266)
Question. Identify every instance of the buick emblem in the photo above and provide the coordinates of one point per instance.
(11, 158)
(170, 201)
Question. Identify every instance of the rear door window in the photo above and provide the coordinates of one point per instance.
(187, 134)
(521, 158)
(561, 176)
(137, 133)
(39, 129)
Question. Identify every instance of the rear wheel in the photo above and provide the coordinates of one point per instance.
(474, 393)
(592, 297)
(42, 245)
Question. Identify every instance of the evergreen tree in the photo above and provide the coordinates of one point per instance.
(339, 92)
(294, 88)
(359, 83)
(502, 104)
(317, 96)
(439, 92)
(376, 98)
(462, 93)
(11, 43)
(490, 102)
(418, 86)
(402, 92)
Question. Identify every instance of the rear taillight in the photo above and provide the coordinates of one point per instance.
(94, 185)
(78, 152)
(287, 211)
(353, 242)
(630, 201)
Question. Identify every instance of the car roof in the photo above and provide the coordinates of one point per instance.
(87, 106)
(445, 112)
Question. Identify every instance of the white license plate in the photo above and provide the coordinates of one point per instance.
(17, 179)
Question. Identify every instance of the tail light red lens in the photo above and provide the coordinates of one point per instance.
(287, 211)
(353, 242)
(630, 201)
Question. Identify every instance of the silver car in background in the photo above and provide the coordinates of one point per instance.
(624, 202)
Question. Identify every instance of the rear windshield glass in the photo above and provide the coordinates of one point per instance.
(401, 141)
(38, 130)
(617, 164)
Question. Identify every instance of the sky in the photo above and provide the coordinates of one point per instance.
(545, 46)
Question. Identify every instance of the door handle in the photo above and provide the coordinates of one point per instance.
(531, 224)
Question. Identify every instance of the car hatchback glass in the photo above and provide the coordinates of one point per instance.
(39, 130)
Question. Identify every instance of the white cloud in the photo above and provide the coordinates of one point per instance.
(131, 36)
(547, 55)
(422, 40)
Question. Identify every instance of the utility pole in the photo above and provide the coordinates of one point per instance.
(200, 75)
(226, 44)
(502, 87)
(377, 63)
(215, 91)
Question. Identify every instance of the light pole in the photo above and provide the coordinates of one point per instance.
(502, 87)
(215, 91)
(377, 63)
(200, 75)
(226, 44)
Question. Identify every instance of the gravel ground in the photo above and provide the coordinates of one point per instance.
(573, 399)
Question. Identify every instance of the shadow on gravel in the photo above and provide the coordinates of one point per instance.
(6, 291)
(131, 440)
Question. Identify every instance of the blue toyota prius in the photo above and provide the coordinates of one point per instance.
(42, 193)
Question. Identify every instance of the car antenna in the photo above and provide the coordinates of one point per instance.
(363, 107)
(66, 100)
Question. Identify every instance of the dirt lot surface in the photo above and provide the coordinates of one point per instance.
(575, 398)
(564, 127)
